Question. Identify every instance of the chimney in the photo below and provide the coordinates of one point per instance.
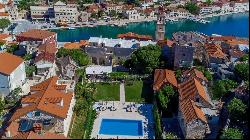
(61, 103)
(8, 134)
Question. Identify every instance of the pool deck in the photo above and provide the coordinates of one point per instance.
(145, 115)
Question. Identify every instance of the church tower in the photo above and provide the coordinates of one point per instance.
(160, 25)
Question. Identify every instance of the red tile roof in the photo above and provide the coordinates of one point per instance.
(9, 62)
(33, 135)
(214, 50)
(2, 6)
(191, 112)
(236, 53)
(48, 47)
(164, 76)
(4, 36)
(50, 57)
(131, 35)
(3, 14)
(221, 38)
(194, 73)
(36, 34)
(167, 42)
(192, 88)
(45, 97)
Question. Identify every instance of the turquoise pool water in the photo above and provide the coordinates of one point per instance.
(121, 127)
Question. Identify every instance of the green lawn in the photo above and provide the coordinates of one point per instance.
(138, 91)
(107, 92)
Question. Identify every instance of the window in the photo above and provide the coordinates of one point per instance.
(197, 100)
(210, 118)
(37, 114)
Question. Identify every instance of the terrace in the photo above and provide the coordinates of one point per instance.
(117, 111)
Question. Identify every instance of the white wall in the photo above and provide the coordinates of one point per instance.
(66, 122)
(12, 81)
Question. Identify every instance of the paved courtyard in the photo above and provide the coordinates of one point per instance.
(144, 114)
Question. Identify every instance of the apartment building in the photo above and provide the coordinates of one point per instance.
(65, 13)
(42, 13)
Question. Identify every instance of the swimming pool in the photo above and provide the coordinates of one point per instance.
(121, 127)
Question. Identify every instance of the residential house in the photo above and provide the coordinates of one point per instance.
(194, 73)
(164, 77)
(33, 38)
(65, 13)
(179, 13)
(12, 10)
(42, 13)
(104, 50)
(45, 63)
(12, 73)
(197, 114)
(84, 16)
(206, 9)
(46, 112)
(3, 13)
(132, 14)
(146, 4)
(241, 6)
(67, 67)
(94, 8)
(113, 7)
(224, 71)
(226, 8)
(149, 13)
(23, 14)
(235, 55)
(4, 39)
(215, 54)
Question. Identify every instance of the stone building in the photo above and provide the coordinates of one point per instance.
(183, 55)
(160, 26)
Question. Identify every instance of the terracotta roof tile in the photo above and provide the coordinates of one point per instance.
(5, 66)
(194, 73)
(237, 41)
(48, 47)
(214, 50)
(22, 111)
(190, 88)
(164, 76)
(2, 6)
(167, 42)
(131, 35)
(48, 94)
(36, 34)
(236, 53)
(4, 36)
(50, 57)
(3, 14)
(221, 38)
(13, 128)
(191, 112)
(74, 45)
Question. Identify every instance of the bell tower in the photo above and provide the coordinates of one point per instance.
(160, 25)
